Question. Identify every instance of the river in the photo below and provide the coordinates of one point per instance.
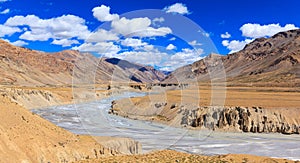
(93, 118)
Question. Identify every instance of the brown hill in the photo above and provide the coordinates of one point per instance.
(22, 66)
(26, 137)
(271, 61)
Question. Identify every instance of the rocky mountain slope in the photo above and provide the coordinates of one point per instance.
(273, 61)
(22, 66)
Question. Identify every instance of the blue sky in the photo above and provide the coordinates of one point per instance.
(174, 34)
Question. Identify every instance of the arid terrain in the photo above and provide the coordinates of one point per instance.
(26, 137)
(261, 95)
(253, 90)
(273, 109)
(173, 156)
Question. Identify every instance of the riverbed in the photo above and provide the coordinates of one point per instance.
(92, 118)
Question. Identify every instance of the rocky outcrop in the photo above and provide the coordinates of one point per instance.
(222, 118)
(121, 145)
(246, 119)
(31, 98)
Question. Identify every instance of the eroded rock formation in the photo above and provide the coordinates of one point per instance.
(246, 119)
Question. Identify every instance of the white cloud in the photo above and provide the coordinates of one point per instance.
(145, 57)
(253, 31)
(63, 27)
(187, 55)
(257, 30)
(195, 43)
(171, 47)
(8, 31)
(36, 36)
(133, 42)
(157, 21)
(205, 34)
(6, 11)
(160, 20)
(235, 45)
(17, 43)
(182, 58)
(126, 26)
(138, 27)
(152, 32)
(172, 39)
(226, 35)
(102, 13)
(3, 1)
(102, 35)
(109, 49)
(177, 8)
(64, 42)
(166, 62)
(149, 48)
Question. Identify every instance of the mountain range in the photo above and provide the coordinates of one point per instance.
(26, 67)
(272, 61)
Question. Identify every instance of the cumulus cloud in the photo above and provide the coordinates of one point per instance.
(108, 49)
(187, 56)
(17, 43)
(64, 42)
(126, 26)
(152, 32)
(157, 21)
(144, 57)
(195, 43)
(172, 39)
(102, 35)
(149, 48)
(6, 11)
(133, 42)
(235, 45)
(138, 27)
(253, 31)
(171, 47)
(166, 62)
(182, 58)
(103, 14)
(177, 8)
(226, 35)
(160, 19)
(63, 27)
(257, 30)
(8, 31)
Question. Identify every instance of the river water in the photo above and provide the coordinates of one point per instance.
(93, 118)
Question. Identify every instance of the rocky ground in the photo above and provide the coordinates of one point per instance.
(173, 156)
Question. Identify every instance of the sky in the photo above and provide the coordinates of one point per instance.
(165, 34)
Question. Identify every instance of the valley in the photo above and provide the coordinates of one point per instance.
(98, 107)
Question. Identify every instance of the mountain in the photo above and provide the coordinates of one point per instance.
(122, 70)
(26, 67)
(272, 61)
